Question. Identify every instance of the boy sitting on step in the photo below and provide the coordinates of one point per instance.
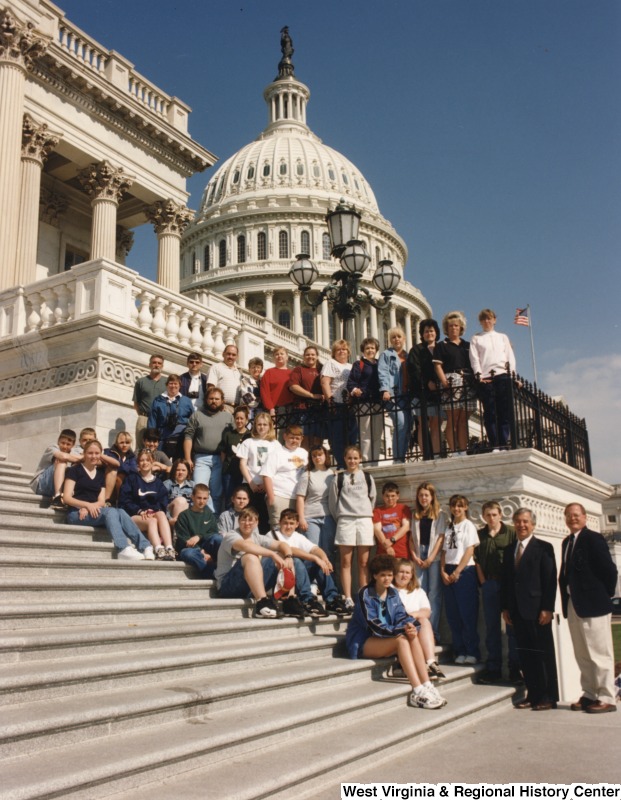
(249, 562)
(198, 540)
(311, 564)
(50, 473)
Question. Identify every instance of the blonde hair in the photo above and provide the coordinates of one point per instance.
(396, 329)
(413, 583)
(452, 315)
(433, 512)
(340, 343)
(271, 434)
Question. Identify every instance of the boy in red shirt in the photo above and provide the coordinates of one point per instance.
(391, 524)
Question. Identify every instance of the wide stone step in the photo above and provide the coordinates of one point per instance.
(9, 467)
(112, 611)
(253, 752)
(242, 676)
(178, 659)
(16, 479)
(125, 583)
(64, 567)
(46, 644)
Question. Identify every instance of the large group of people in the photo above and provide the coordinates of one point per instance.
(265, 513)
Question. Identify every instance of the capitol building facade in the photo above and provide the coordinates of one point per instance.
(267, 203)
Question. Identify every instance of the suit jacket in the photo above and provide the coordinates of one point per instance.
(531, 586)
(591, 576)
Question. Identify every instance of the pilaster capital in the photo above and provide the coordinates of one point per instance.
(52, 205)
(37, 140)
(168, 216)
(102, 181)
(19, 43)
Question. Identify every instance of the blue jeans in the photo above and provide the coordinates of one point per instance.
(461, 602)
(117, 522)
(490, 596)
(431, 583)
(307, 571)
(343, 431)
(208, 470)
(401, 416)
(321, 532)
(194, 557)
(233, 584)
(497, 409)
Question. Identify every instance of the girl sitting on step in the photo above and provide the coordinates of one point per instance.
(381, 627)
(144, 496)
(85, 494)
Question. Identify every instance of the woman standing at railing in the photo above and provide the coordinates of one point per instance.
(393, 380)
(334, 376)
(423, 384)
(452, 363)
(170, 413)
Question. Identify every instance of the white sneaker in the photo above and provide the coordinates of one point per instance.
(349, 604)
(148, 554)
(470, 660)
(424, 699)
(432, 690)
(129, 554)
(460, 660)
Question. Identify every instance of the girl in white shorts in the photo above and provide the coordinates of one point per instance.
(351, 501)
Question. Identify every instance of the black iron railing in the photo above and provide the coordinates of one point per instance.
(413, 429)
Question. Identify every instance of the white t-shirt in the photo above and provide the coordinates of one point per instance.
(414, 600)
(338, 374)
(457, 539)
(296, 539)
(255, 451)
(285, 468)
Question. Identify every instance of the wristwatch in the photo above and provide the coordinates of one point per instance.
(393, 539)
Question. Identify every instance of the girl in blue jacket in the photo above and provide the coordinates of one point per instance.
(381, 627)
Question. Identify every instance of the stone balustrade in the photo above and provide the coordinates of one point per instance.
(81, 47)
(107, 291)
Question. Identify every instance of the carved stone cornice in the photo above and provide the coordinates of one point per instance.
(19, 43)
(37, 141)
(168, 216)
(102, 181)
(52, 205)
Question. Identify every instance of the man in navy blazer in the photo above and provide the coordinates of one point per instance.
(528, 594)
(588, 580)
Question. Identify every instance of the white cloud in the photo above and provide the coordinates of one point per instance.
(591, 387)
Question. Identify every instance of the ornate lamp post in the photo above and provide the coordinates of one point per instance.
(344, 292)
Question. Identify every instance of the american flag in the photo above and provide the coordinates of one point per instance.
(521, 316)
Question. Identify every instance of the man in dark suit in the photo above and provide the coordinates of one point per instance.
(588, 580)
(528, 593)
(193, 382)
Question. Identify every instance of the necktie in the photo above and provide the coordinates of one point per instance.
(519, 554)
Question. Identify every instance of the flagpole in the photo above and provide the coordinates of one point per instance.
(532, 343)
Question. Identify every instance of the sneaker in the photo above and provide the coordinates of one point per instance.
(314, 608)
(338, 607)
(129, 554)
(424, 699)
(291, 607)
(160, 552)
(349, 605)
(148, 554)
(57, 503)
(460, 660)
(170, 554)
(435, 673)
(435, 693)
(265, 609)
(471, 661)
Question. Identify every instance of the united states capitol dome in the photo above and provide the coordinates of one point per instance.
(268, 202)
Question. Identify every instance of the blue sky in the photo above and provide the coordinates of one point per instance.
(489, 131)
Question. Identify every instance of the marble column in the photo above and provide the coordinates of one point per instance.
(269, 305)
(408, 330)
(19, 47)
(37, 143)
(325, 325)
(169, 221)
(105, 185)
(297, 312)
(392, 314)
(373, 321)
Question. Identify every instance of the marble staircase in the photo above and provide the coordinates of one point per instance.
(133, 680)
